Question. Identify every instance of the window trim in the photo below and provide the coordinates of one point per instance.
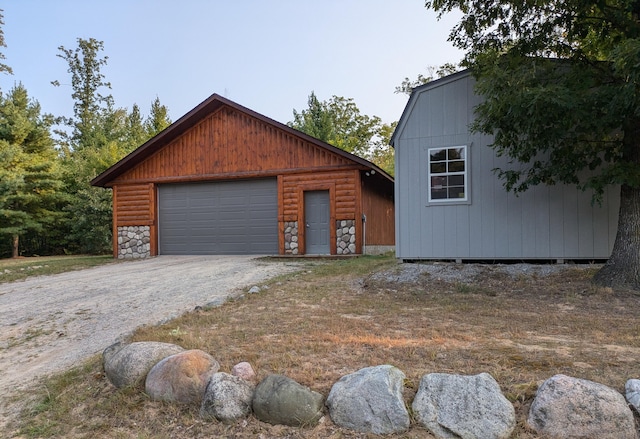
(440, 201)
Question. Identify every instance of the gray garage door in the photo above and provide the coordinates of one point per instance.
(222, 218)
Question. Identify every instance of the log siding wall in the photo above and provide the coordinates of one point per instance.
(134, 204)
(343, 183)
(344, 196)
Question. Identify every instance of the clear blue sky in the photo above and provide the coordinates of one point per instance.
(267, 55)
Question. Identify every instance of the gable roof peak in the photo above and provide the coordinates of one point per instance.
(210, 105)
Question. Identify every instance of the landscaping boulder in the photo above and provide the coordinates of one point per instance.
(128, 364)
(632, 393)
(181, 377)
(227, 398)
(244, 371)
(370, 401)
(470, 407)
(571, 408)
(281, 400)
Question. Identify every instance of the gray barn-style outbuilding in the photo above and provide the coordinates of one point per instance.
(450, 204)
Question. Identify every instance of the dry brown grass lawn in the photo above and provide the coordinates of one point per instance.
(335, 317)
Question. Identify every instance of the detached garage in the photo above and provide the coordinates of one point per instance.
(224, 179)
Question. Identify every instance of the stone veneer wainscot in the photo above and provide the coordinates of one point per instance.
(134, 242)
(345, 237)
(291, 237)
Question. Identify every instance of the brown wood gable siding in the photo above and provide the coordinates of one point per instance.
(378, 206)
(231, 144)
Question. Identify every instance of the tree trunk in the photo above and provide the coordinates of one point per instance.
(14, 246)
(623, 267)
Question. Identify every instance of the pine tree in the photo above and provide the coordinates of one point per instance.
(30, 179)
(3, 67)
(158, 119)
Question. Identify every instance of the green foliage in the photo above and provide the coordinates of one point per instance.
(158, 119)
(87, 81)
(101, 135)
(382, 153)
(3, 67)
(136, 133)
(561, 121)
(89, 211)
(433, 73)
(316, 121)
(47, 205)
(340, 123)
(29, 175)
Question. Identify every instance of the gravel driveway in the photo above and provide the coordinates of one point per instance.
(50, 323)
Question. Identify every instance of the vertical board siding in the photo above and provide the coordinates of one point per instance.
(134, 205)
(556, 222)
(231, 142)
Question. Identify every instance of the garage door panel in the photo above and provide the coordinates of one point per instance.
(237, 217)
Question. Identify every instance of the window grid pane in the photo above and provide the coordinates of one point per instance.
(447, 173)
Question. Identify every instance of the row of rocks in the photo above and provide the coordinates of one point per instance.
(371, 400)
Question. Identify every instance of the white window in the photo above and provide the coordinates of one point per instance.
(448, 174)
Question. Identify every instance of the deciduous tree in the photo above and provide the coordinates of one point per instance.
(100, 135)
(408, 85)
(87, 84)
(381, 152)
(340, 123)
(316, 120)
(561, 82)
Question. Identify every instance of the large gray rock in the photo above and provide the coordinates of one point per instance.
(227, 398)
(632, 393)
(128, 364)
(281, 400)
(181, 377)
(470, 407)
(572, 408)
(370, 400)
